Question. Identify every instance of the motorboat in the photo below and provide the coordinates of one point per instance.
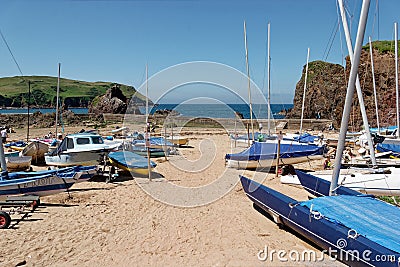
(84, 149)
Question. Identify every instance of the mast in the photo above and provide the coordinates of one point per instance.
(358, 86)
(304, 91)
(397, 77)
(373, 83)
(349, 96)
(29, 100)
(269, 78)
(248, 78)
(57, 97)
(147, 141)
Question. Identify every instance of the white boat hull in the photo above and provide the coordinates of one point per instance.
(84, 158)
(253, 164)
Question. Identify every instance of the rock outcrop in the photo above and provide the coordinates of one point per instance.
(113, 101)
(327, 85)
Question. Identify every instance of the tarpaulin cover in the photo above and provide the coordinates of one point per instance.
(261, 151)
(130, 160)
(371, 218)
(388, 147)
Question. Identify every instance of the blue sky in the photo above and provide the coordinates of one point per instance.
(114, 40)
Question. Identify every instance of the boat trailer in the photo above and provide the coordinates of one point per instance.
(22, 205)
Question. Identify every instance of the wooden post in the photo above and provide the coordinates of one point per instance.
(280, 137)
(147, 144)
(165, 144)
(248, 135)
(235, 133)
(3, 163)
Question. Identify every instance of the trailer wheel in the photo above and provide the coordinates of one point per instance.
(5, 220)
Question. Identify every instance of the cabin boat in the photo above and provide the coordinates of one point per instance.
(84, 149)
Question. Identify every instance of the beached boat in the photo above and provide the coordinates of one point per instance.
(38, 184)
(21, 163)
(36, 150)
(178, 140)
(84, 173)
(11, 154)
(264, 155)
(379, 182)
(326, 222)
(155, 142)
(132, 162)
(85, 149)
(142, 151)
(17, 146)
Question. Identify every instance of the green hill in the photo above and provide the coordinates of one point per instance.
(14, 91)
(383, 46)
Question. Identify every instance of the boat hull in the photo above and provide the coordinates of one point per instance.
(83, 158)
(379, 184)
(316, 228)
(39, 186)
(131, 162)
(36, 150)
(179, 141)
(18, 163)
(254, 164)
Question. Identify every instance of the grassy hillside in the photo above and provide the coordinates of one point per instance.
(14, 91)
(382, 46)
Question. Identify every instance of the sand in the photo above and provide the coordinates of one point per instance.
(195, 214)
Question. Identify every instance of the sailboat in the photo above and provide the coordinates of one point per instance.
(265, 155)
(325, 221)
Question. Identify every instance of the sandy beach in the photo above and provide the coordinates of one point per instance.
(193, 212)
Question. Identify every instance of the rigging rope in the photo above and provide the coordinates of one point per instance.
(16, 63)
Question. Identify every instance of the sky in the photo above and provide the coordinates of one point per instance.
(114, 40)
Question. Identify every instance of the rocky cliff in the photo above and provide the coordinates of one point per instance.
(327, 84)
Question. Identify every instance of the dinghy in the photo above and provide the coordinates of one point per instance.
(21, 163)
(354, 228)
(43, 183)
(264, 155)
(129, 161)
(36, 150)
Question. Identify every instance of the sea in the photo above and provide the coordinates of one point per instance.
(260, 111)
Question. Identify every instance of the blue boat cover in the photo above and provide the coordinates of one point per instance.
(306, 138)
(382, 129)
(371, 218)
(130, 160)
(160, 141)
(261, 151)
(388, 147)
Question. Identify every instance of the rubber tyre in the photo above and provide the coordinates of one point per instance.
(5, 220)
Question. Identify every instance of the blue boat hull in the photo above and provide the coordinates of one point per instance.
(320, 187)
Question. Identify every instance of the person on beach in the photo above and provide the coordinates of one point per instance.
(4, 135)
